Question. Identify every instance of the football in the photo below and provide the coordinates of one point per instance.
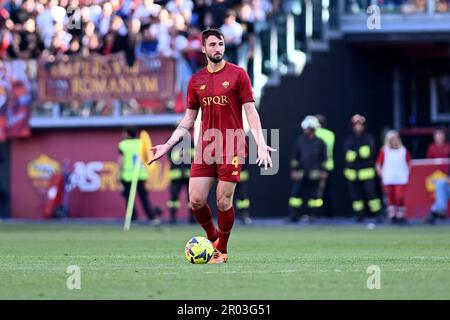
(199, 250)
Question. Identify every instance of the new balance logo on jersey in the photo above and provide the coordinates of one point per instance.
(220, 100)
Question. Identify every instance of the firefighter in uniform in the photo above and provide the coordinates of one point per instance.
(129, 149)
(179, 177)
(242, 200)
(359, 169)
(307, 172)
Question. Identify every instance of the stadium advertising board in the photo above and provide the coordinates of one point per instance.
(89, 162)
(421, 186)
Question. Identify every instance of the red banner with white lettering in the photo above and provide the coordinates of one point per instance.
(108, 77)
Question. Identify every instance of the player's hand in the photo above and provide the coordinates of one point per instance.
(264, 156)
(160, 150)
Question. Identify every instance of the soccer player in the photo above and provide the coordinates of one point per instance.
(221, 90)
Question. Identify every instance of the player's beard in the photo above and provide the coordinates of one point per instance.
(215, 58)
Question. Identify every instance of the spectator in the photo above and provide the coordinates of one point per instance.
(179, 22)
(133, 37)
(14, 46)
(5, 42)
(414, 6)
(75, 47)
(33, 46)
(442, 5)
(148, 44)
(232, 33)
(193, 53)
(109, 42)
(145, 10)
(214, 17)
(440, 148)
(160, 27)
(198, 14)
(21, 12)
(45, 22)
(181, 7)
(392, 166)
(106, 19)
(259, 11)
(63, 36)
(247, 21)
(93, 45)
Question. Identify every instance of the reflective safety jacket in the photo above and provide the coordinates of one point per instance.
(359, 157)
(309, 157)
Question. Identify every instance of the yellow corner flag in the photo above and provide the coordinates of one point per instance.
(146, 153)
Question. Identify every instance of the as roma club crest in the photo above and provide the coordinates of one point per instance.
(225, 84)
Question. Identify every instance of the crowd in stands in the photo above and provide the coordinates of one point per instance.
(58, 28)
(403, 6)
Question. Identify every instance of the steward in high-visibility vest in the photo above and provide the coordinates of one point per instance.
(129, 149)
(329, 138)
(359, 169)
(179, 176)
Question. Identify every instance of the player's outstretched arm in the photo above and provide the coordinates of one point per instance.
(185, 125)
(255, 126)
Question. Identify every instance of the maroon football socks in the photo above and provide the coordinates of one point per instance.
(226, 220)
(205, 219)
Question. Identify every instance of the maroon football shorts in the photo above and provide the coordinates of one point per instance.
(230, 172)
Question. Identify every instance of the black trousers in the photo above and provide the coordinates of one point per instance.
(143, 195)
(175, 189)
(364, 197)
(304, 198)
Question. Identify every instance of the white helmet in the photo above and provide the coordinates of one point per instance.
(310, 122)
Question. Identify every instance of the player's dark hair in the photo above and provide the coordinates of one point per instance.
(211, 32)
(132, 132)
(440, 129)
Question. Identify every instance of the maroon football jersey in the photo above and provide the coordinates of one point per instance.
(220, 95)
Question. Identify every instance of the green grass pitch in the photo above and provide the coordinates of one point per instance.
(318, 262)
